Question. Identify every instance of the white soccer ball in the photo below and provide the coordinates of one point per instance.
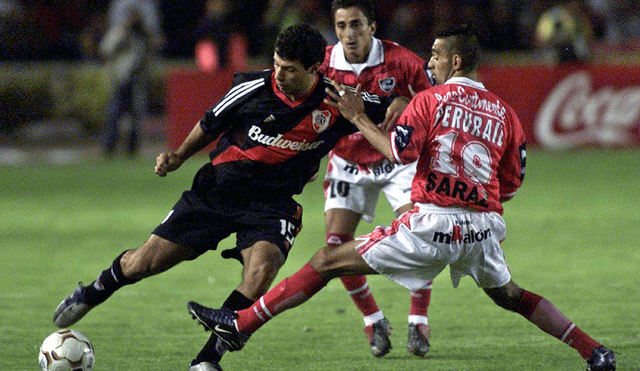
(66, 350)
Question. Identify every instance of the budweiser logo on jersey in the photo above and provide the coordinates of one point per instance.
(575, 113)
(255, 134)
(320, 120)
(387, 84)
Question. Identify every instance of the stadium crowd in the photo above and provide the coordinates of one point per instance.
(71, 29)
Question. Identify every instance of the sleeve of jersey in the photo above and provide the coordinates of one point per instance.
(410, 132)
(513, 164)
(375, 106)
(216, 120)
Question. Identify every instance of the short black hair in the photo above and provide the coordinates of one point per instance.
(302, 43)
(367, 7)
(463, 40)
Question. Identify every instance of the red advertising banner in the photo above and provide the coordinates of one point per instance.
(572, 106)
(189, 94)
(559, 106)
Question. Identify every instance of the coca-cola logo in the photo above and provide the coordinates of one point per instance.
(575, 113)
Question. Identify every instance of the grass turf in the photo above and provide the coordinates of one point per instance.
(573, 233)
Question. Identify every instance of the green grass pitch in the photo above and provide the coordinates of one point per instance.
(573, 236)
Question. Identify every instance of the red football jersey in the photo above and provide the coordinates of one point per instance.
(470, 145)
(389, 69)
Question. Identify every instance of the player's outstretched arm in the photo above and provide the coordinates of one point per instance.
(169, 161)
(351, 107)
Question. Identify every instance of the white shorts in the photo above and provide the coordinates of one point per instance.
(423, 241)
(356, 187)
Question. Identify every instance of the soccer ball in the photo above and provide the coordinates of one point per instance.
(66, 350)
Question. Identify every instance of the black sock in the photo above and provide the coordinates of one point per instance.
(213, 350)
(108, 282)
(236, 301)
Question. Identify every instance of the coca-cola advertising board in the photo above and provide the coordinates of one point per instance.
(572, 106)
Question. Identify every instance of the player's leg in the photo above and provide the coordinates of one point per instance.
(139, 104)
(117, 107)
(419, 331)
(398, 192)
(345, 204)
(551, 320)
(327, 263)
(385, 249)
(261, 262)
(154, 256)
(184, 234)
(341, 225)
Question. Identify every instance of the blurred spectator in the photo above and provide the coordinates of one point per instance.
(621, 20)
(11, 16)
(220, 42)
(411, 25)
(9, 9)
(132, 38)
(283, 13)
(67, 29)
(41, 29)
(565, 33)
(93, 32)
(504, 32)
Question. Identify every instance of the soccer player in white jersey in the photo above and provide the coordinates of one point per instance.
(357, 172)
(471, 158)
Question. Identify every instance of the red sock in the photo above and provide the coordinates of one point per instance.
(356, 286)
(289, 293)
(549, 319)
(420, 301)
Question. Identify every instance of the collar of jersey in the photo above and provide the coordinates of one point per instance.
(339, 62)
(466, 81)
(283, 96)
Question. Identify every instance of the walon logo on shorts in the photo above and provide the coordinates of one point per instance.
(457, 236)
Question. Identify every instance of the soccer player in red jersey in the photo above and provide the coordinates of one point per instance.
(471, 158)
(357, 172)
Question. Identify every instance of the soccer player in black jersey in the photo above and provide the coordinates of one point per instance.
(273, 128)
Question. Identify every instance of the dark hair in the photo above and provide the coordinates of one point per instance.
(463, 41)
(367, 7)
(302, 43)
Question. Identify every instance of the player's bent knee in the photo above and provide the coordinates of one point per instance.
(507, 296)
(337, 261)
(325, 260)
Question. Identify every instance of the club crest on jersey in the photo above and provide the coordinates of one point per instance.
(387, 84)
(320, 120)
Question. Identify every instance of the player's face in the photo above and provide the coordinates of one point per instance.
(441, 63)
(354, 32)
(292, 78)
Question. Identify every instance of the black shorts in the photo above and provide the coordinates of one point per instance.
(201, 222)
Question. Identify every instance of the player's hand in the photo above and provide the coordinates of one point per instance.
(349, 104)
(167, 162)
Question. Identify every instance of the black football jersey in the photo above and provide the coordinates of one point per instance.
(269, 144)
